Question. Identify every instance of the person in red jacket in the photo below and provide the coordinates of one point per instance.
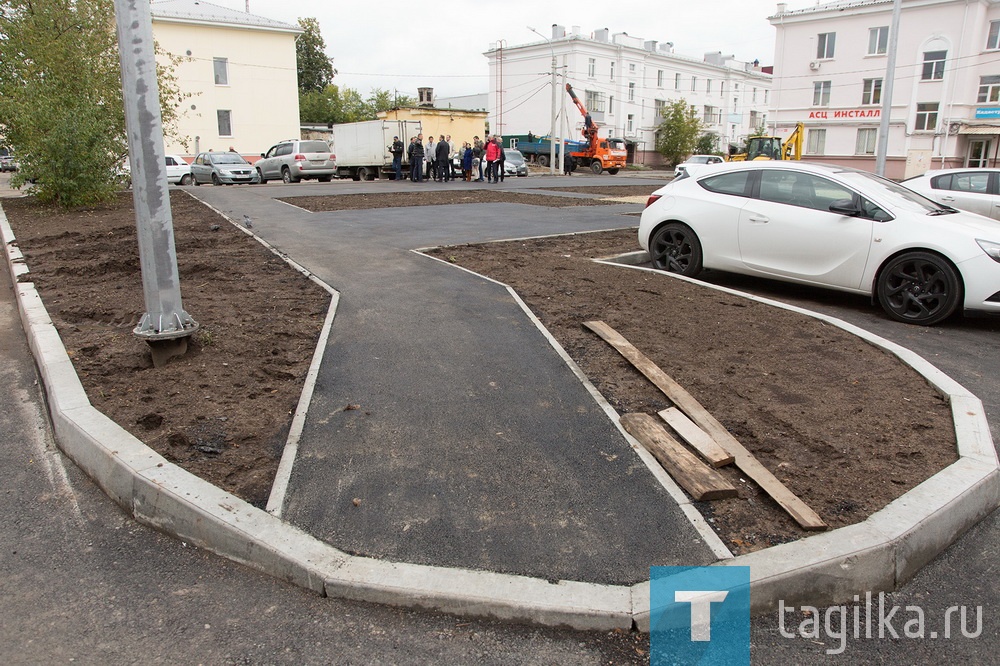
(492, 155)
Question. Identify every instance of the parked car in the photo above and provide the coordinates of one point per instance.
(514, 163)
(826, 226)
(178, 170)
(696, 159)
(294, 160)
(7, 161)
(974, 190)
(223, 169)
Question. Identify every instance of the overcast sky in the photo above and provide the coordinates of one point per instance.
(403, 44)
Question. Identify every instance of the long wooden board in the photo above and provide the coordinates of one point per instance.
(698, 479)
(789, 501)
(697, 439)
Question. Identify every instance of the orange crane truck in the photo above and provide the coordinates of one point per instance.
(598, 154)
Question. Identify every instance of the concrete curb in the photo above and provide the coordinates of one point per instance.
(875, 555)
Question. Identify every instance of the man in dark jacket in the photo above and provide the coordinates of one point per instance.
(443, 157)
(416, 155)
(397, 157)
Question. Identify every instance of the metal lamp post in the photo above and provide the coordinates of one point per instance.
(165, 326)
(555, 113)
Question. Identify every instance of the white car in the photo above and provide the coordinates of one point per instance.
(696, 160)
(827, 226)
(974, 190)
(178, 170)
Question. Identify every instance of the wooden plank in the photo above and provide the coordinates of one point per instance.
(698, 479)
(796, 508)
(697, 439)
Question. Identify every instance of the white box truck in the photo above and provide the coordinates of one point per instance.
(362, 149)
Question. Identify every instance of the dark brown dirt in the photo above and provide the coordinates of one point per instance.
(222, 411)
(846, 426)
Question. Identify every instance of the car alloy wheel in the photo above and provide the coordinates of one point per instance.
(676, 248)
(919, 288)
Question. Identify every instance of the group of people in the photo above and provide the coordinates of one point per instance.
(435, 159)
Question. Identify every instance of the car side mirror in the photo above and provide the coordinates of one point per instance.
(262, 154)
(845, 207)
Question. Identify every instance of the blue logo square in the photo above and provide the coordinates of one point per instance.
(699, 615)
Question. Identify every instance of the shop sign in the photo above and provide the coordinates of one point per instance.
(845, 113)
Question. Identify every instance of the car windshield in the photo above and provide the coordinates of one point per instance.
(699, 159)
(226, 158)
(891, 193)
(314, 147)
(513, 155)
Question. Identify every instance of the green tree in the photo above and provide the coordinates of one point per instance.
(678, 132)
(315, 70)
(708, 144)
(61, 106)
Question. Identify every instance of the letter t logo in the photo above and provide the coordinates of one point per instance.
(701, 610)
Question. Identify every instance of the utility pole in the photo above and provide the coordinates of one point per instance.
(563, 119)
(890, 72)
(552, 131)
(165, 326)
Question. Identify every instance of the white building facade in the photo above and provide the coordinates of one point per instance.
(240, 72)
(830, 70)
(623, 82)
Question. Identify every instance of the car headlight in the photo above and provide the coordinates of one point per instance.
(990, 248)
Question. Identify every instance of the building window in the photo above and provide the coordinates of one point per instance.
(221, 71)
(722, 89)
(629, 125)
(933, 65)
(766, 91)
(993, 39)
(659, 78)
(694, 83)
(927, 114)
(594, 101)
(754, 95)
(708, 85)
(611, 105)
(816, 141)
(756, 119)
(612, 70)
(989, 89)
(591, 67)
(878, 40)
(708, 115)
(865, 144)
(825, 43)
(631, 91)
(631, 68)
(677, 81)
(225, 122)
(658, 106)
(821, 93)
(872, 93)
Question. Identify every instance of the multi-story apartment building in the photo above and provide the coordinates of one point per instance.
(830, 70)
(624, 82)
(239, 70)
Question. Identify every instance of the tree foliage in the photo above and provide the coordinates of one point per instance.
(315, 69)
(678, 132)
(708, 144)
(345, 105)
(61, 108)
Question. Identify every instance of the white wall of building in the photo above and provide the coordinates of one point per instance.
(935, 117)
(261, 93)
(627, 79)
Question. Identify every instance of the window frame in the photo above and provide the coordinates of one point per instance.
(989, 90)
(871, 91)
(591, 68)
(926, 119)
(816, 146)
(216, 61)
(870, 141)
(821, 93)
(993, 36)
(933, 68)
(229, 120)
(878, 37)
(826, 45)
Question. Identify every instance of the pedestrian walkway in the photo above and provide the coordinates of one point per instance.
(473, 444)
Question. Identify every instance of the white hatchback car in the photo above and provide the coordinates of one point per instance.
(827, 226)
(974, 190)
(178, 170)
(694, 160)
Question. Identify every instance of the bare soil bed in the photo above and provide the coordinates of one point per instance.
(846, 426)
